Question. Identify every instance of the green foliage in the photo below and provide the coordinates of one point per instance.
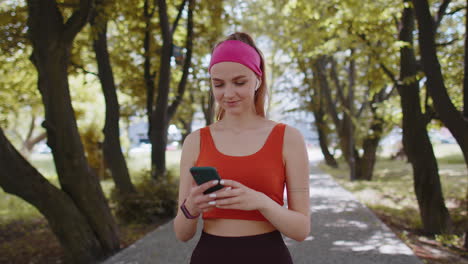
(18, 92)
(13, 208)
(406, 217)
(152, 202)
(92, 139)
(209, 22)
(450, 240)
(404, 237)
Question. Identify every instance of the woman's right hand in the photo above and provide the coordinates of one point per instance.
(197, 202)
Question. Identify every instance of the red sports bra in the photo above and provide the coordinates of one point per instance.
(262, 171)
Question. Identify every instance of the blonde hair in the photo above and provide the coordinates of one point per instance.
(261, 93)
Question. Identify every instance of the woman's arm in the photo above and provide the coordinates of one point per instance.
(196, 201)
(293, 221)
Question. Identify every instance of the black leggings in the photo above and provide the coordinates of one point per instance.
(264, 248)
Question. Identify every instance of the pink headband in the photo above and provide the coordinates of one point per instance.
(237, 51)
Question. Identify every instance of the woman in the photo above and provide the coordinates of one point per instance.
(255, 157)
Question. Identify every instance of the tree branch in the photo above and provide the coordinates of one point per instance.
(188, 58)
(455, 10)
(386, 96)
(389, 73)
(441, 13)
(78, 19)
(36, 140)
(31, 127)
(319, 66)
(363, 106)
(465, 87)
(447, 43)
(334, 75)
(179, 14)
(80, 67)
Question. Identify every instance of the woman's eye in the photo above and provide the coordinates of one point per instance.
(240, 84)
(218, 85)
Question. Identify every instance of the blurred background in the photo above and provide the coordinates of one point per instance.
(97, 97)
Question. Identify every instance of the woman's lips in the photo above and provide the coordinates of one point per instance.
(231, 103)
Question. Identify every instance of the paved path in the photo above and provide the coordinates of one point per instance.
(343, 231)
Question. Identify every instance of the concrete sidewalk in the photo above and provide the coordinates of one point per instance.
(343, 231)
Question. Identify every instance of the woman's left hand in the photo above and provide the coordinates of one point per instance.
(235, 195)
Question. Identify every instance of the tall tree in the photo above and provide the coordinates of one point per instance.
(148, 74)
(456, 121)
(52, 37)
(65, 218)
(434, 214)
(209, 23)
(111, 147)
(317, 105)
(327, 34)
(452, 118)
(164, 110)
(207, 103)
(345, 120)
(465, 95)
(465, 82)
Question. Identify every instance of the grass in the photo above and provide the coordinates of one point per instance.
(391, 196)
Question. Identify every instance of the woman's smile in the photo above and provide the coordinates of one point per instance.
(232, 103)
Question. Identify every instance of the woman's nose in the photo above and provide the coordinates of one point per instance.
(229, 90)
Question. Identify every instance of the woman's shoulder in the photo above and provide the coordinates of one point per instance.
(191, 148)
(289, 131)
(192, 140)
(292, 136)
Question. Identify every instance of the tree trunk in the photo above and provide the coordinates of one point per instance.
(72, 229)
(159, 119)
(434, 214)
(348, 122)
(341, 125)
(465, 100)
(30, 141)
(465, 72)
(321, 126)
(370, 145)
(52, 41)
(187, 126)
(163, 113)
(112, 149)
(187, 123)
(361, 168)
(450, 116)
(208, 108)
(316, 104)
(348, 145)
(187, 63)
(148, 75)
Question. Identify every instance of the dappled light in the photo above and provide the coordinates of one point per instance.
(105, 104)
(341, 226)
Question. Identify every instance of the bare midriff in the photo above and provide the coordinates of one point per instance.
(236, 227)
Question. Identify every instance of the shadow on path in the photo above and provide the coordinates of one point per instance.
(343, 231)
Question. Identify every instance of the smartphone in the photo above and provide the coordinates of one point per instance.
(205, 174)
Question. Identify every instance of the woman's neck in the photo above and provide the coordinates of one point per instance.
(240, 122)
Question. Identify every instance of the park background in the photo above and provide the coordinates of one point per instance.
(96, 98)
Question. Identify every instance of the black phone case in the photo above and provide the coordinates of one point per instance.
(205, 174)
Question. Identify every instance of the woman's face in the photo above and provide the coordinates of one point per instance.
(233, 87)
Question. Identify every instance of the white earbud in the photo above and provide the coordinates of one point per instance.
(257, 85)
